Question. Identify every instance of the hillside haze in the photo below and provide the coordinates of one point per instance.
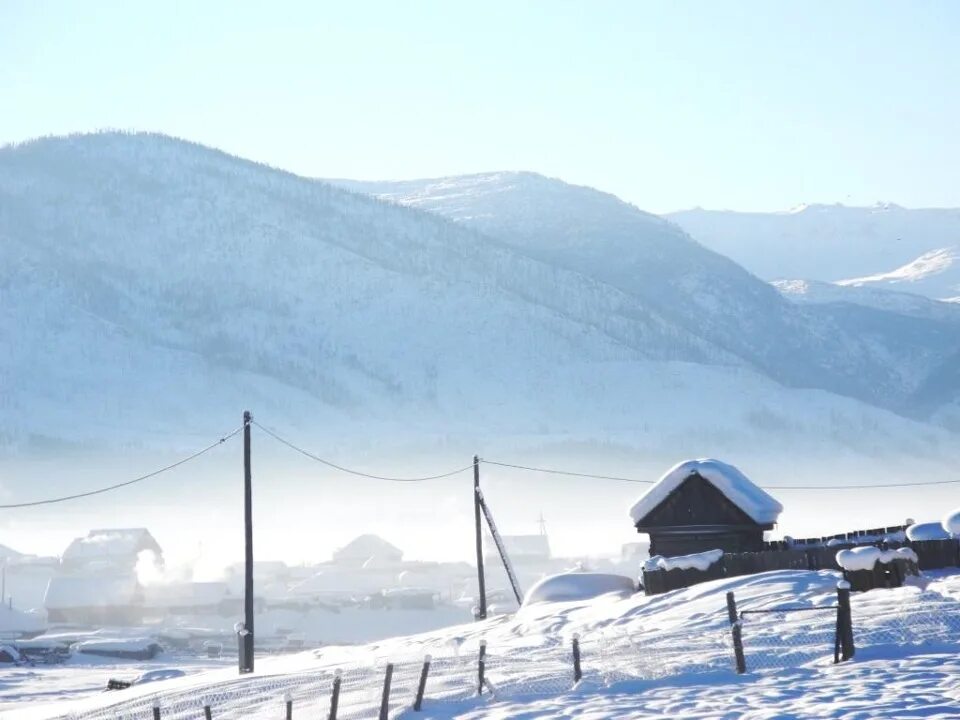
(153, 282)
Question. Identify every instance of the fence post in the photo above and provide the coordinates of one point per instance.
(738, 648)
(288, 699)
(421, 688)
(335, 695)
(845, 620)
(156, 709)
(737, 632)
(731, 607)
(385, 700)
(481, 666)
(577, 674)
(207, 714)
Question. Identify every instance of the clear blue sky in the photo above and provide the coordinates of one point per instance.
(743, 105)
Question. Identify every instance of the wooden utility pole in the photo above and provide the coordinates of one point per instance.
(481, 582)
(246, 663)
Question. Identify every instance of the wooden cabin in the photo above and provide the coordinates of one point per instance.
(702, 505)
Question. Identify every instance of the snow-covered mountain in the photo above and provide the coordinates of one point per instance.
(934, 274)
(869, 353)
(155, 286)
(833, 242)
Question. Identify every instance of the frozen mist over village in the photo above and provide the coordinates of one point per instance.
(461, 361)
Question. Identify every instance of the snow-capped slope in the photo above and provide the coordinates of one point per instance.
(894, 301)
(138, 269)
(841, 349)
(824, 242)
(156, 287)
(934, 274)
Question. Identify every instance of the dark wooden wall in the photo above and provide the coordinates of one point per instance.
(686, 543)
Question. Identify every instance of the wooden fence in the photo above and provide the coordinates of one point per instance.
(931, 554)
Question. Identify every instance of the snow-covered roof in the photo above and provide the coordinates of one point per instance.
(364, 547)
(726, 478)
(118, 542)
(79, 591)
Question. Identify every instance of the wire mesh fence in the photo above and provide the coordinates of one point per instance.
(778, 638)
(931, 619)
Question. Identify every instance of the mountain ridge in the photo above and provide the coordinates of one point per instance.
(144, 276)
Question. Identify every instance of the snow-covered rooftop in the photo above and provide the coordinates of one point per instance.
(364, 547)
(726, 478)
(119, 542)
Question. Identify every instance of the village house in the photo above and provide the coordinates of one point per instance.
(102, 599)
(97, 581)
(701, 505)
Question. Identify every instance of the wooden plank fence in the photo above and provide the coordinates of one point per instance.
(932, 554)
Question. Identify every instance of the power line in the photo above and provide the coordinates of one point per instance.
(554, 471)
(861, 487)
(350, 471)
(178, 463)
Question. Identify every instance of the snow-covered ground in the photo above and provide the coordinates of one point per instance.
(666, 655)
(85, 676)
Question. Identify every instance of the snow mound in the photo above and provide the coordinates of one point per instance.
(572, 586)
(927, 531)
(951, 522)
(726, 478)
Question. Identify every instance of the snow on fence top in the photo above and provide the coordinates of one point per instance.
(866, 557)
(951, 522)
(697, 561)
(927, 531)
(726, 478)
